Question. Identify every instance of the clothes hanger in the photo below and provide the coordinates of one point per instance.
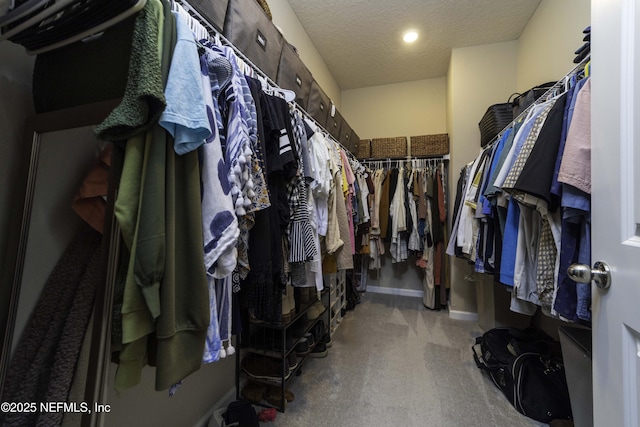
(93, 31)
(287, 94)
(196, 28)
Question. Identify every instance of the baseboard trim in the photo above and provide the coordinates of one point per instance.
(224, 401)
(462, 315)
(395, 291)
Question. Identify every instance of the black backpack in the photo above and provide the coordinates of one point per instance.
(527, 366)
(240, 413)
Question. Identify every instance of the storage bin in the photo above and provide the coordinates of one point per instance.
(345, 137)
(334, 123)
(355, 140)
(430, 145)
(248, 27)
(319, 104)
(214, 11)
(389, 147)
(494, 120)
(293, 74)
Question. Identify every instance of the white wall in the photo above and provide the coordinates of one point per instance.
(143, 406)
(402, 109)
(478, 77)
(285, 18)
(547, 45)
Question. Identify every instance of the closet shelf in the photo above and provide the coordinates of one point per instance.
(281, 325)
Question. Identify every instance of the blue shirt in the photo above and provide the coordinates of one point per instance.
(185, 116)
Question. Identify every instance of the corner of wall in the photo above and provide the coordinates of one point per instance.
(285, 18)
(478, 77)
(548, 42)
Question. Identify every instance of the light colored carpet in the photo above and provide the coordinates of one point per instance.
(395, 363)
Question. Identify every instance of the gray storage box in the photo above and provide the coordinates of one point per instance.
(250, 30)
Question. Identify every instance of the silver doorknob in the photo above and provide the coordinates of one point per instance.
(600, 273)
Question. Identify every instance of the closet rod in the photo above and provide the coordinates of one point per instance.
(406, 159)
(194, 14)
(541, 98)
(414, 163)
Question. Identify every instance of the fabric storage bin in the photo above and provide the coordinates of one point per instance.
(319, 104)
(389, 147)
(364, 149)
(213, 10)
(496, 118)
(355, 140)
(430, 145)
(334, 123)
(345, 135)
(248, 27)
(293, 74)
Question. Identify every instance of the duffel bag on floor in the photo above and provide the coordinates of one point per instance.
(526, 365)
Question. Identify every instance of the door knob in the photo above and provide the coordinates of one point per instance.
(600, 273)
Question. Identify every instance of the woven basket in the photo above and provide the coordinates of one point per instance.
(496, 118)
(430, 145)
(389, 147)
(263, 4)
(364, 149)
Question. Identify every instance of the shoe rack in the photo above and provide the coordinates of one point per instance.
(272, 354)
(337, 297)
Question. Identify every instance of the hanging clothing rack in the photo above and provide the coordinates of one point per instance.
(201, 27)
(544, 97)
(414, 162)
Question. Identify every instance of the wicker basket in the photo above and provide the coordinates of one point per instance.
(364, 149)
(389, 147)
(263, 4)
(430, 145)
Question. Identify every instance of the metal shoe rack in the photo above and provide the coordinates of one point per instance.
(338, 297)
(270, 345)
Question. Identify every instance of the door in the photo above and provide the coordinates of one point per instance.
(615, 170)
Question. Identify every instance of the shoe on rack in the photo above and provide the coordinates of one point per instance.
(276, 400)
(306, 295)
(297, 330)
(254, 391)
(293, 361)
(310, 339)
(315, 310)
(275, 392)
(318, 330)
(319, 351)
(302, 348)
(326, 339)
(265, 367)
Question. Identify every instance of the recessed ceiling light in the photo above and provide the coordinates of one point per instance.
(410, 36)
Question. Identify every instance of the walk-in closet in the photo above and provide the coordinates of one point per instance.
(291, 213)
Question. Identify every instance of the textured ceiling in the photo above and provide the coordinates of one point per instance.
(361, 40)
